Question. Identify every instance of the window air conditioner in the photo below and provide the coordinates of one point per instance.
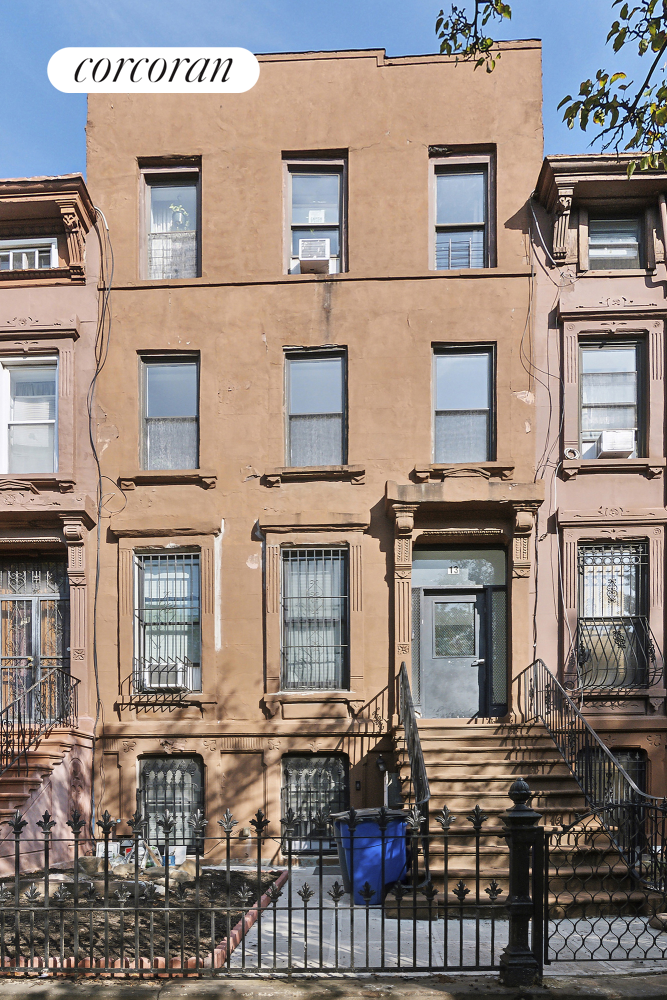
(314, 256)
(615, 444)
(160, 675)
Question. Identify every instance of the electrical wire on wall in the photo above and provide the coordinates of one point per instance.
(102, 343)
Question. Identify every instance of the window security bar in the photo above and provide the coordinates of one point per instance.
(172, 255)
(613, 653)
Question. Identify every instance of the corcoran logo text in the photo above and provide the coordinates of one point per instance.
(153, 70)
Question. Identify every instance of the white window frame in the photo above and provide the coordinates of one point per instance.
(6, 364)
(464, 164)
(335, 165)
(32, 244)
(166, 176)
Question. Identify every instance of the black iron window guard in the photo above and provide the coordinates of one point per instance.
(613, 654)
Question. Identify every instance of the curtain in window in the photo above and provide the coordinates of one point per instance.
(168, 621)
(315, 643)
(171, 422)
(172, 238)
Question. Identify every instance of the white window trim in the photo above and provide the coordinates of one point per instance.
(31, 244)
(331, 166)
(446, 164)
(6, 364)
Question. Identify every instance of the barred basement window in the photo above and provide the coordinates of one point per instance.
(314, 787)
(167, 622)
(175, 784)
(172, 206)
(614, 643)
(315, 599)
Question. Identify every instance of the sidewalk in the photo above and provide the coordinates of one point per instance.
(607, 987)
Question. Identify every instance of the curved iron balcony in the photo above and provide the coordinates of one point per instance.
(613, 654)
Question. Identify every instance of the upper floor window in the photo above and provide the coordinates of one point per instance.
(167, 634)
(461, 217)
(172, 221)
(614, 243)
(315, 599)
(610, 422)
(29, 255)
(463, 389)
(28, 415)
(315, 393)
(170, 424)
(315, 212)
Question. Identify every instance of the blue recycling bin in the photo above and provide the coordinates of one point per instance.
(360, 851)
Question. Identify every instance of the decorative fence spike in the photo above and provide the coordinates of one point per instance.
(198, 823)
(336, 892)
(445, 818)
(106, 824)
(46, 824)
(461, 891)
(76, 823)
(305, 892)
(227, 822)
(259, 822)
(367, 892)
(168, 821)
(494, 891)
(17, 823)
(477, 818)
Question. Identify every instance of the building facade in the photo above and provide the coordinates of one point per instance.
(48, 495)
(599, 360)
(319, 427)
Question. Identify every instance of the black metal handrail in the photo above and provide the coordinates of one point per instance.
(613, 654)
(51, 701)
(635, 821)
(419, 786)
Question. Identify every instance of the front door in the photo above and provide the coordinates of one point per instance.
(453, 661)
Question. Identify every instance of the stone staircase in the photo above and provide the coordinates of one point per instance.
(474, 762)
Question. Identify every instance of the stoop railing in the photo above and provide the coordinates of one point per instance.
(33, 711)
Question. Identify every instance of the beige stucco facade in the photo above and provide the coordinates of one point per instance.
(389, 120)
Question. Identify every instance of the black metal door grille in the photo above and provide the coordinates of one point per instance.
(313, 788)
(175, 784)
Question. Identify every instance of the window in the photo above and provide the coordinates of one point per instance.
(28, 412)
(315, 644)
(315, 199)
(34, 621)
(610, 415)
(314, 786)
(29, 255)
(172, 208)
(316, 405)
(463, 405)
(170, 438)
(461, 214)
(614, 243)
(167, 622)
(175, 784)
(614, 643)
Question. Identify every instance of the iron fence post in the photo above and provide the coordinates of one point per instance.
(519, 965)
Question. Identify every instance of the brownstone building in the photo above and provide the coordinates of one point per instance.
(48, 498)
(316, 412)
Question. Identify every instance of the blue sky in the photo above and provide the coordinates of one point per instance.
(42, 130)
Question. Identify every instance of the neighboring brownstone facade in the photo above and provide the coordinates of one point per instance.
(598, 325)
(197, 193)
(48, 481)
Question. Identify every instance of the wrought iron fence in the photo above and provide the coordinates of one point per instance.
(635, 822)
(215, 916)
(51, 701)
(613, 654)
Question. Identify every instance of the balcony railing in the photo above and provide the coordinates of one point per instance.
(613, 654)
(52, 700)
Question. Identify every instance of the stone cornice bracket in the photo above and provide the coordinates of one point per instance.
(74, 231)
(405, 518)
(74, 533)
(523, 525)
(562, 210)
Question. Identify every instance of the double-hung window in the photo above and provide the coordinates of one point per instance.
(464, 393)
(315, 392)
(461, 217)
(315, 212)
(29, 255)
(28, 415)
(610, 383)
(170, 421)
(614, 243)
(167, 622)
(315, 629)
(172, 223)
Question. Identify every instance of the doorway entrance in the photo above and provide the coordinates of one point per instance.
(459, 633)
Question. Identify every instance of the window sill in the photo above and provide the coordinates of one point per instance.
(316, 473)
(34, 482)
(630, 272)
(205, 478)
(651, 468)
(312, 704)
(32, 275)
(463, 470)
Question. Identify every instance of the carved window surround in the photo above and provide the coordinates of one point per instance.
(210, 600)
(356, 474)
(485, 470)
(615, 524)
(206, 478)
(14, 327)
(622, 324)
(318, 530)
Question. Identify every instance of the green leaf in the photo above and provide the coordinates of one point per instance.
(632, 166)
